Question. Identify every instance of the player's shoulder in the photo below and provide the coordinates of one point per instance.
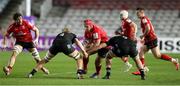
(144, 19)
(11, 26)
(128, 20)
(25, 22)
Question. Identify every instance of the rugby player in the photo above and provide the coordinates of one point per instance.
(21, 31)
(150, 41)
(122, 47)
(94, 36)
(63, 43)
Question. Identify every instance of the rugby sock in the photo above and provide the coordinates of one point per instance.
(85, 63)
(108, 71)
(80, 71)
(166, 57)
(33, 71)
(142, 74)
(9, 67)
(98, 69)
(142, 61)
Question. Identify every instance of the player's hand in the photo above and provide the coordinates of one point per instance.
(3, 45)
(36, 42)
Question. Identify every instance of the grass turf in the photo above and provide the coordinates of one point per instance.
(63, 72)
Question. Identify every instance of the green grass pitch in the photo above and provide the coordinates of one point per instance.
(63, 72)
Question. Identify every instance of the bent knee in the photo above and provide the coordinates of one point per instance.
(76, 55)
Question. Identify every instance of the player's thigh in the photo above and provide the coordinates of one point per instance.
(156, 52)
(110, 54)
(32, 49)
(143, 50)
(75, 54)
(102, 52)
(17, 49)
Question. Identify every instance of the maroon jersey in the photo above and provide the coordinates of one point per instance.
(127, 30)
(96, 33)
(21, 32)
(151, 34)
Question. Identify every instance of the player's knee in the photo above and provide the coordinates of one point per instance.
(109, 55)
(76, 56)
(48, 57)
(17, 50)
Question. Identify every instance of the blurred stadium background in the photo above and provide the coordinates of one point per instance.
(50, 16)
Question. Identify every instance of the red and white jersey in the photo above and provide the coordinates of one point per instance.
(151, 34)
(127, 30)
(21, 32)
(96, 33)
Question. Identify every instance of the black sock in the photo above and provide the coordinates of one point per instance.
(108, 71)
(33, 72)
(142, 74)
(80, 71)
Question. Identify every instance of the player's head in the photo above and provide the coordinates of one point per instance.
(66, 29)
(17, 17)
(123, 14)
(88, 24)
(140, 12)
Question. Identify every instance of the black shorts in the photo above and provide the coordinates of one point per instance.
(103, 51)
(151, 44)
(64, 48)
(25, 45)
(126, 50)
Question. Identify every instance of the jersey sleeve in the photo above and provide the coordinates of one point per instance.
(74, 36)
(144, 21)
(29, 25)
(9, 30)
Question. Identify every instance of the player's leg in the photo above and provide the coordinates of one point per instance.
(98, 67)
(109, 57)
(127, 65)
(79, 62)
(142, 52)
(100, 56)
(158, 55)
(86, 60)
(36, 57)
(139, 66)
(17, 49)
(40, 64)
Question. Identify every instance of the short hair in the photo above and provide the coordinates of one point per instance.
(16, 16)
(140, 8)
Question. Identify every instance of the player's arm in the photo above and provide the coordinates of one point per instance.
(102, 45)
(4, 41)
(147, 29)
(79, 44)
(96, 43)
(134, 26)
(5, 37)
(36, 30)
(119, 31)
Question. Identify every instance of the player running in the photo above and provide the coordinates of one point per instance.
(63, 43)
(128, 29)
(21, 31)
(121, 47)
(94, 36)
(150, 41)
